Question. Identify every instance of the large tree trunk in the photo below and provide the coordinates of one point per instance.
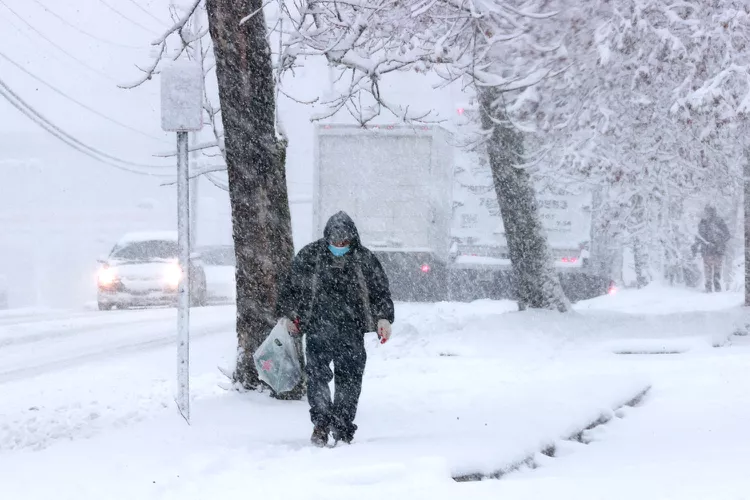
(255, 159)
(536, 282)
(746, 206)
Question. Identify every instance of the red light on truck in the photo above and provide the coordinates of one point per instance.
(460, 111)
(612, 288)
(425, 268)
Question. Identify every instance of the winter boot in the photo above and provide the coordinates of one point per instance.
(319, 436)
(344, 437)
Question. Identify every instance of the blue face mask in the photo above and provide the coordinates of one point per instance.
(338, 251)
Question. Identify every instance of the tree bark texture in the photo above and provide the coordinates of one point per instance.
(536, 282)
(746, 171)
(255, 157)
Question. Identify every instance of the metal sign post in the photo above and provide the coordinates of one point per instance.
(182, 112)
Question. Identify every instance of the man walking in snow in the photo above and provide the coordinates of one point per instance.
(711, 241)
(337, 290)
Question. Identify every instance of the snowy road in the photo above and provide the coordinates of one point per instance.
(37, 342)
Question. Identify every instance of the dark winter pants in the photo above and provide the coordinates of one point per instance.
(347, 353)
(712, 272)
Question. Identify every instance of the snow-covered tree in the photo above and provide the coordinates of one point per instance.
(643, 99)
(500, 48)
(659, 95)
(685, 72)
(254, 155)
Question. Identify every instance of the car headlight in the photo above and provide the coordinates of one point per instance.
(106, 276)
(173, 275)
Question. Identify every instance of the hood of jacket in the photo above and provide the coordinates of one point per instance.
(341, 227)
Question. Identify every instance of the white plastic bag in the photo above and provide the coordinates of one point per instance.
(276, 360)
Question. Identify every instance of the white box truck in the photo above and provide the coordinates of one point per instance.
(429, 211)
(396, 182)
(482, 266)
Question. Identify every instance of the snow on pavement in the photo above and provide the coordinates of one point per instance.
(95, 371)
(461, 388)
(657, 299)
(35, 345)
(687, 441)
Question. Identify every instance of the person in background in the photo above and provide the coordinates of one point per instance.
(336, 292)
(711, 242)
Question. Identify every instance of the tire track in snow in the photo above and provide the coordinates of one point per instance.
(109, 351)
(15, 316)
(71, 330)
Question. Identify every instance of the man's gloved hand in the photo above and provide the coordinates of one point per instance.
(384, 330)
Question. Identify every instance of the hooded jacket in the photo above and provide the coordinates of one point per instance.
(713, 236)
(325, 291)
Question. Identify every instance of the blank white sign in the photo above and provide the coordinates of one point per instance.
(182, 97)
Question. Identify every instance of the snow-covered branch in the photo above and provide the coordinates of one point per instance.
(179, 25)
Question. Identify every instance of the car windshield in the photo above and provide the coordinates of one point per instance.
(218, 256)
(147, 251)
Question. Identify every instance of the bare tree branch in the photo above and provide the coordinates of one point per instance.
(179, 24)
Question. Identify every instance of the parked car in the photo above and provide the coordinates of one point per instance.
(142, 270)
(218, 263)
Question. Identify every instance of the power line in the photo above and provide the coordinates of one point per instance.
(84, 106)
(160, 21)
(16, 101)
(136, 23)
(100, 73)
(64, 139)
(25, 33)
(91, 35)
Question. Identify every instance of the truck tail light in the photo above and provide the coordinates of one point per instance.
(426, 268)
(612, 288)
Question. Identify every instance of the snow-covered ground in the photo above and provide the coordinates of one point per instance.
(86, 406)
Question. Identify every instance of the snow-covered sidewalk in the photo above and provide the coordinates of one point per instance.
(461, 389)
(687, 441)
